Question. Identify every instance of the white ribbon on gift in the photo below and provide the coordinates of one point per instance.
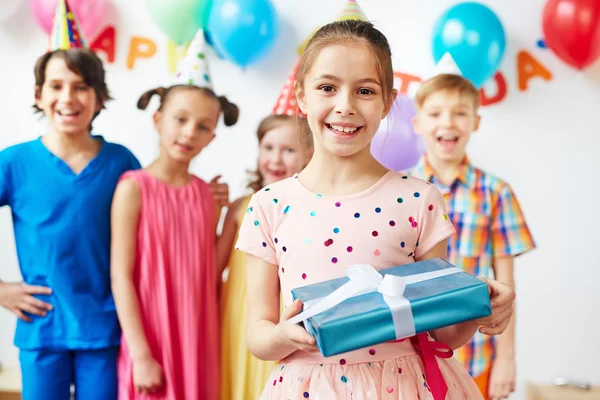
(365, 279)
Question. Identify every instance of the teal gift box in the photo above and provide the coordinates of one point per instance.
(370, 307)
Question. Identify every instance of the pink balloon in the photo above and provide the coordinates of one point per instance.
(90, 15)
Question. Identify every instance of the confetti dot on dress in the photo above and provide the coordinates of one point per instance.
(375, 233)
(274, 382)
(307, 241)
(256, 223)
(249, 210)
(399, 199)
(281, 379)
(267, 189)
(275, 201)
(390, 389)
(392, 223)
(430, 207)
(377, 252)
(344, 379)
(410, 219)
(284, 248)
(334, 260)
(303, 276)
(372, 352)
(282, 270)
(313, 213)
(417, 194)
(300, 379)
(445, 217)
(342, 362)
(414, 224)
(356, 215)
(402, 244)
(378, 210)
(276, 240)
(319, 196)
(405, 177)
(349, 249)
(328, 242)
(264, 244)
(337, 204)
(286, 209)
(305, 395)
(282, 367)
(336, 230)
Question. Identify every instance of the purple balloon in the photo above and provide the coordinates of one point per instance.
(396, 145)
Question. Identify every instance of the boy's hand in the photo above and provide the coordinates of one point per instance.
(220, 191)
(502, 298)
(18, 298)
(502, 378)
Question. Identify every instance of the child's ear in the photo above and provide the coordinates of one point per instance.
(156, 117)
(390, 104)
(38, 96)
(300, 98)
(476, 124)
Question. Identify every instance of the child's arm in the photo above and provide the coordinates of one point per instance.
(269, 338)
(220, 192)
(502, 380)
(502, 298)
(227, 236)
(124, 220)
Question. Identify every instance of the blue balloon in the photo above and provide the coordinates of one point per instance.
(475, 38)
(243, 31)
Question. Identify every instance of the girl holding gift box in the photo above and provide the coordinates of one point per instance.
(345, 208)
(163, 248)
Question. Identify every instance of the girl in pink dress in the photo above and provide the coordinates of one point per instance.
(163, 256)
(345, 208)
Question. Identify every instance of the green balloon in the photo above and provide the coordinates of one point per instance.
(180, 19)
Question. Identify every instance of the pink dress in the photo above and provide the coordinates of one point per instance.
(176, 284)
(310, 238)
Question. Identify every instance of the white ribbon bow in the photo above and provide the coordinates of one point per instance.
(365, 279)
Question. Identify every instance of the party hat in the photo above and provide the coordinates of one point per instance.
(193, 69)
(65, 30)
(350, 11)
(286, 102)
(446, 65)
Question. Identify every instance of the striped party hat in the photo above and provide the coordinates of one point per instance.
(286, 102)
(352, 11)
(65, 30)
(193, 69)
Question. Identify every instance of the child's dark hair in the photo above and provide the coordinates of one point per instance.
(84, 63)
(351, 31)
(230, 111)
(272, 122)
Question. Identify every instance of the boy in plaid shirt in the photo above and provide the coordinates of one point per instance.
(490, 227)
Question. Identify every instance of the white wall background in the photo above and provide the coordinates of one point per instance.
(544, 141)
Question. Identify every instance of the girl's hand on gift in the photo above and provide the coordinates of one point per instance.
(502, 299)
(18, 298)
(295, 335)
(147, 375)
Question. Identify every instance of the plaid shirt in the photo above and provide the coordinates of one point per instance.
(489, 223)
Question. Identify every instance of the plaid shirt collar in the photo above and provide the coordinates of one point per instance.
(465, 174)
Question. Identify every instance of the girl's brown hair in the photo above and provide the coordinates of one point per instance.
(350, 31)
(272, 122)
(230, 111)
(84, 63)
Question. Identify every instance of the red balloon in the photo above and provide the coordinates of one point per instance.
(572, 30)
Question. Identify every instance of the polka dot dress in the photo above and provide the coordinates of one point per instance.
(313, 237)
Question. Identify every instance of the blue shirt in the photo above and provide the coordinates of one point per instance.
(62, 233)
